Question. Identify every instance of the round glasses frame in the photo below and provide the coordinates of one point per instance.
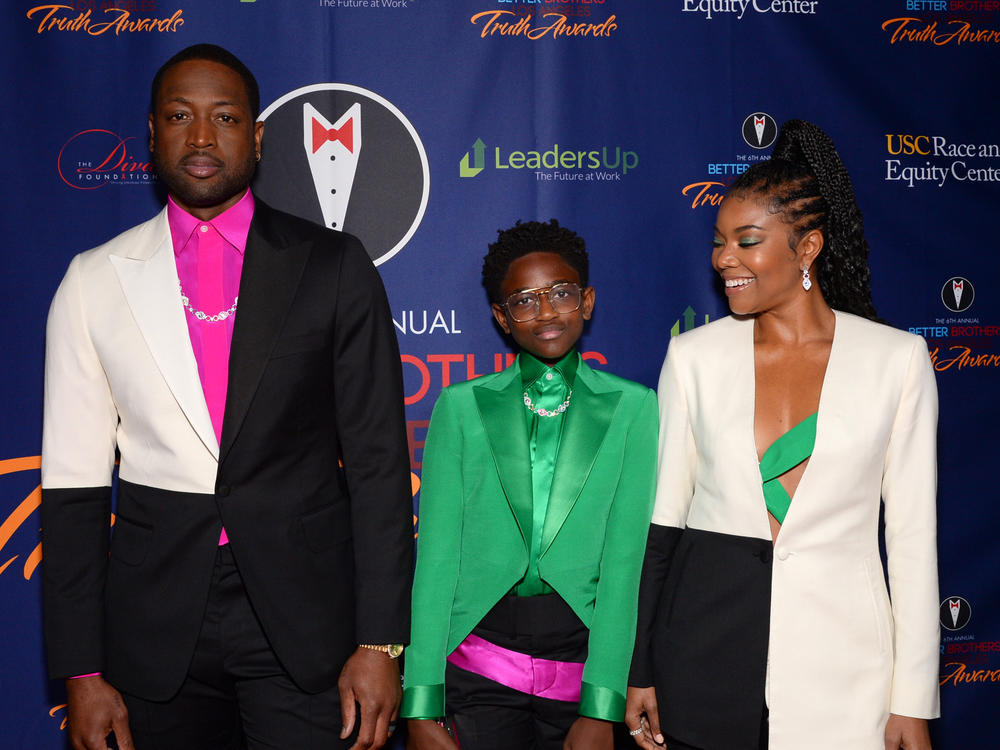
(564, 297)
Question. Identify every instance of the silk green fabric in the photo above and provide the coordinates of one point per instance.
(785, 453)
(423, 702)
(599, 702)
(547, 387)
(475, 526)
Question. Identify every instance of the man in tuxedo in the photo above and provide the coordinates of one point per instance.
(252, 594)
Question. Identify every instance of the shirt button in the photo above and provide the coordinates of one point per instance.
(204, 227)
(548, 376)
(782, 554)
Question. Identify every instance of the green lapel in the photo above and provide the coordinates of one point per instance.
(587, 422)
(501, 408)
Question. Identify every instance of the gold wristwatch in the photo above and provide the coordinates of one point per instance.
(394, 650)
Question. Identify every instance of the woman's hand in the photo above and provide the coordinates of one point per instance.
(906, 733)
(589, 734)
(642, 713)
(427, 734)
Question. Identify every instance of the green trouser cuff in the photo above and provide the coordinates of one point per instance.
(424, 702)
(599, 702)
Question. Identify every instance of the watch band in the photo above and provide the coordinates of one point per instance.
(392, 649)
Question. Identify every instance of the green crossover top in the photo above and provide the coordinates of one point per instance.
(785, 453)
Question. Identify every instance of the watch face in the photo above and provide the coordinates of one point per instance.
(395, 650)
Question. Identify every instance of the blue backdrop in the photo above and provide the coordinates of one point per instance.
(624, 119)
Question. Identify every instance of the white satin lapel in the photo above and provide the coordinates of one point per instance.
(746, 376)
(149, 280)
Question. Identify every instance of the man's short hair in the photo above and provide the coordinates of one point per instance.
(212, 53)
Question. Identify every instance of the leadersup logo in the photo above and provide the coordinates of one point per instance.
(95, 158)
(554, 164)
(739, 8)
(955, 161)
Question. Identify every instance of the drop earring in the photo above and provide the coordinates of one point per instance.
(806, 281)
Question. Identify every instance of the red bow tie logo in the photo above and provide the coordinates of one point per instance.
(957, 285)
(758, 121)
(344, 134)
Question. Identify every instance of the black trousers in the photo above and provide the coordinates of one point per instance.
(236, 695)
(485, 715)
(673, 744)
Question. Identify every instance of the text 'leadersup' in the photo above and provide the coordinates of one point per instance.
(556, 158)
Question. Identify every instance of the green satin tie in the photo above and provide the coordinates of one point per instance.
(547, 392)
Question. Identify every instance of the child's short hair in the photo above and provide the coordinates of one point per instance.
(531, 237)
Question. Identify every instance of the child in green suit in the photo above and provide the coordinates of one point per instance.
(536, 494)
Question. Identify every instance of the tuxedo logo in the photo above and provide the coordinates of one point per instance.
(345, 157)
(955, 613)
(957, 294)
(759, 130)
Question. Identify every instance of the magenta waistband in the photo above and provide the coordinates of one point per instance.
(546, 678)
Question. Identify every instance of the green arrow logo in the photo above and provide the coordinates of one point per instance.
(478, 160)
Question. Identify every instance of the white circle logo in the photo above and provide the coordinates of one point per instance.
(346, 158)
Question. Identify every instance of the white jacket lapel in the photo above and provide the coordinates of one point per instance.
(148, 276)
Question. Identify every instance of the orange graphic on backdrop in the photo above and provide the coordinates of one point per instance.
(962, 357)
(954, 32)
(21, 513)
(502, 23)
(709, 193)
(56, 17)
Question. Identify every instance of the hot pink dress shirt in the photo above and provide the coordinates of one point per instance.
(209, 256)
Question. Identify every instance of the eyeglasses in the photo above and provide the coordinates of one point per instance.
(524, 305)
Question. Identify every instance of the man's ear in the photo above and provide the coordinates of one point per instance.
(152, 131)
(500, 316)
(258, 134)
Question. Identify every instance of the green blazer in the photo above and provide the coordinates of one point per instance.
(475, 514)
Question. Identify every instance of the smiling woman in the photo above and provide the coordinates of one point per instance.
(781, 428)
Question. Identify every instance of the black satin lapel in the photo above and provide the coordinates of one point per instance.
(271, 275)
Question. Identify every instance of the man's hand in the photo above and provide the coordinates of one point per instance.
(95, 710)
(589, 734)
(427, 734)
(642, 713)
(906, 733)
(369, 679)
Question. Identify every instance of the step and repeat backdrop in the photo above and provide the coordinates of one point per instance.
(624, 119)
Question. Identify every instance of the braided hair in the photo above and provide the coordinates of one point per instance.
(806, 184)
(532, 237)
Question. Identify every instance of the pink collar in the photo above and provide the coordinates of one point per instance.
(233, 223)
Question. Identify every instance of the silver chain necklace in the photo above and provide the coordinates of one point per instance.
(217, 318)
(545, 412)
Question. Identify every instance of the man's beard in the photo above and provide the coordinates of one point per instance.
(190, 191)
